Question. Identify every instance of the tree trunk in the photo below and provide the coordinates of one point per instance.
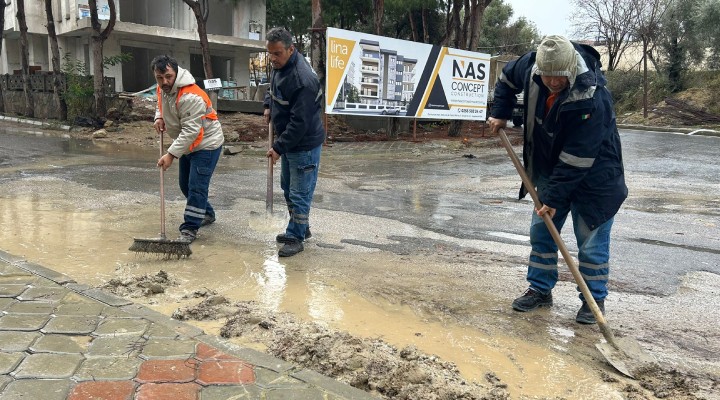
(3, 4)
(469, 37)
(201, 9)
(426, 33)
(98, 39)
(98, 78)
(379, 6)
(413, 29)
(25, 60)
(57, 84)
(317, 50)
(645, 81)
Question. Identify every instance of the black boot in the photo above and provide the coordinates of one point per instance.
(531, 300)
(283, 238)
(291, 248)
(585, 314)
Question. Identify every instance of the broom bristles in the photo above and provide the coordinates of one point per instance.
(170, 248)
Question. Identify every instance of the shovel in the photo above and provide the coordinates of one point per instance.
(624, 353)
(269, 191)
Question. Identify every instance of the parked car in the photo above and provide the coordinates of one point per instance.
(390, 111)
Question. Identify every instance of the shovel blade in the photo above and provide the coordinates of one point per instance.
(628, 358)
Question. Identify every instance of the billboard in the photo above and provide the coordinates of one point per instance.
(374, 75)
(83, 8)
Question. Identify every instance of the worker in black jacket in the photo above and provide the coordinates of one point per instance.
(573, 156)
(293, 104)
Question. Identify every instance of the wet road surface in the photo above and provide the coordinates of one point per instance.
(415, 245)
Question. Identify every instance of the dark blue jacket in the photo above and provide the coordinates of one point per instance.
(295, 101)
(576, 148)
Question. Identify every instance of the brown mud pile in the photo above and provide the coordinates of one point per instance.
(368, 364)
(140, 286)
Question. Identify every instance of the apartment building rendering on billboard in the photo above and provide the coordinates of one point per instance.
(143, 29)
(385, 77)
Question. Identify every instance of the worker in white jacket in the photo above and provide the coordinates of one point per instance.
(184, 111)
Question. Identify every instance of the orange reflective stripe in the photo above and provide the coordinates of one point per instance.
(195, 89)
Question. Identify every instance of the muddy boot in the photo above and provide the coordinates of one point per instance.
(531, 300)
(291, 248)
(282, 238)
(209, 219)
(188, 235)
(585, 314)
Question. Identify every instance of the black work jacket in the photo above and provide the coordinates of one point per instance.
(295, 102)
(574, 147)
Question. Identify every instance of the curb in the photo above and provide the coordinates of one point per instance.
(686, 131)
(43, 124)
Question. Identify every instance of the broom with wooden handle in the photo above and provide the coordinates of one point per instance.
(162, 245)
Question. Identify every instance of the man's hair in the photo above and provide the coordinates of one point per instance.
(275, 35)
(162, 62)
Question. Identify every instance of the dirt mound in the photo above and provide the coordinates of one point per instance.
(368, 364)
(140, 286)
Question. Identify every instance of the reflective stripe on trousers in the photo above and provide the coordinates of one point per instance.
(593, 254)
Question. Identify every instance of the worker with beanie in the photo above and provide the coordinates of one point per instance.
(573, 157)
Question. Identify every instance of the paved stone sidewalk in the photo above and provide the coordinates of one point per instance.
(62, 340)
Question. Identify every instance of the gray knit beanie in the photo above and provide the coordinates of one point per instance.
(556, 56)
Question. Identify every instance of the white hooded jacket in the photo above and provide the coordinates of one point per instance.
(185, 116)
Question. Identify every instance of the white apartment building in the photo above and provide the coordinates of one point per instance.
(144, 29)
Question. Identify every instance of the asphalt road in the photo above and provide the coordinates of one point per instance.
(668, 227)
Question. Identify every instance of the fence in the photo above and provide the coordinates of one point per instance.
(43, 89)
(43, 82)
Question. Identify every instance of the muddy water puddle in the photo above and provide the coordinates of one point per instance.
(64, 227)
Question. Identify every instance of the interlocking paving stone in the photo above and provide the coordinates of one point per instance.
(31, 307)
(295, 394)
(103, 390)
(159, 331)
(168, 391)
(71, 325)
(111, 311)
(51, 293)
(331, 385)
(4, 380)
(12, 290)
(23, 322)
(61, 344)
(36, 389)
(107, 298)
(267, 379)
(206, 352)
(10, 361)
(17, 341)
(121, 326)
(248, 392)
(160, 371)
(157, 317)
(108, 368)
(116, 346)
(48, 366)
(225, 372)
(5, 302)
(168, 348)
(18, 279)
(80, 309)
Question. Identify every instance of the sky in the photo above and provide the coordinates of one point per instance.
(550, 16)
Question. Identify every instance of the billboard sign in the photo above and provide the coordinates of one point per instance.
(375, 75)
(83, 7)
